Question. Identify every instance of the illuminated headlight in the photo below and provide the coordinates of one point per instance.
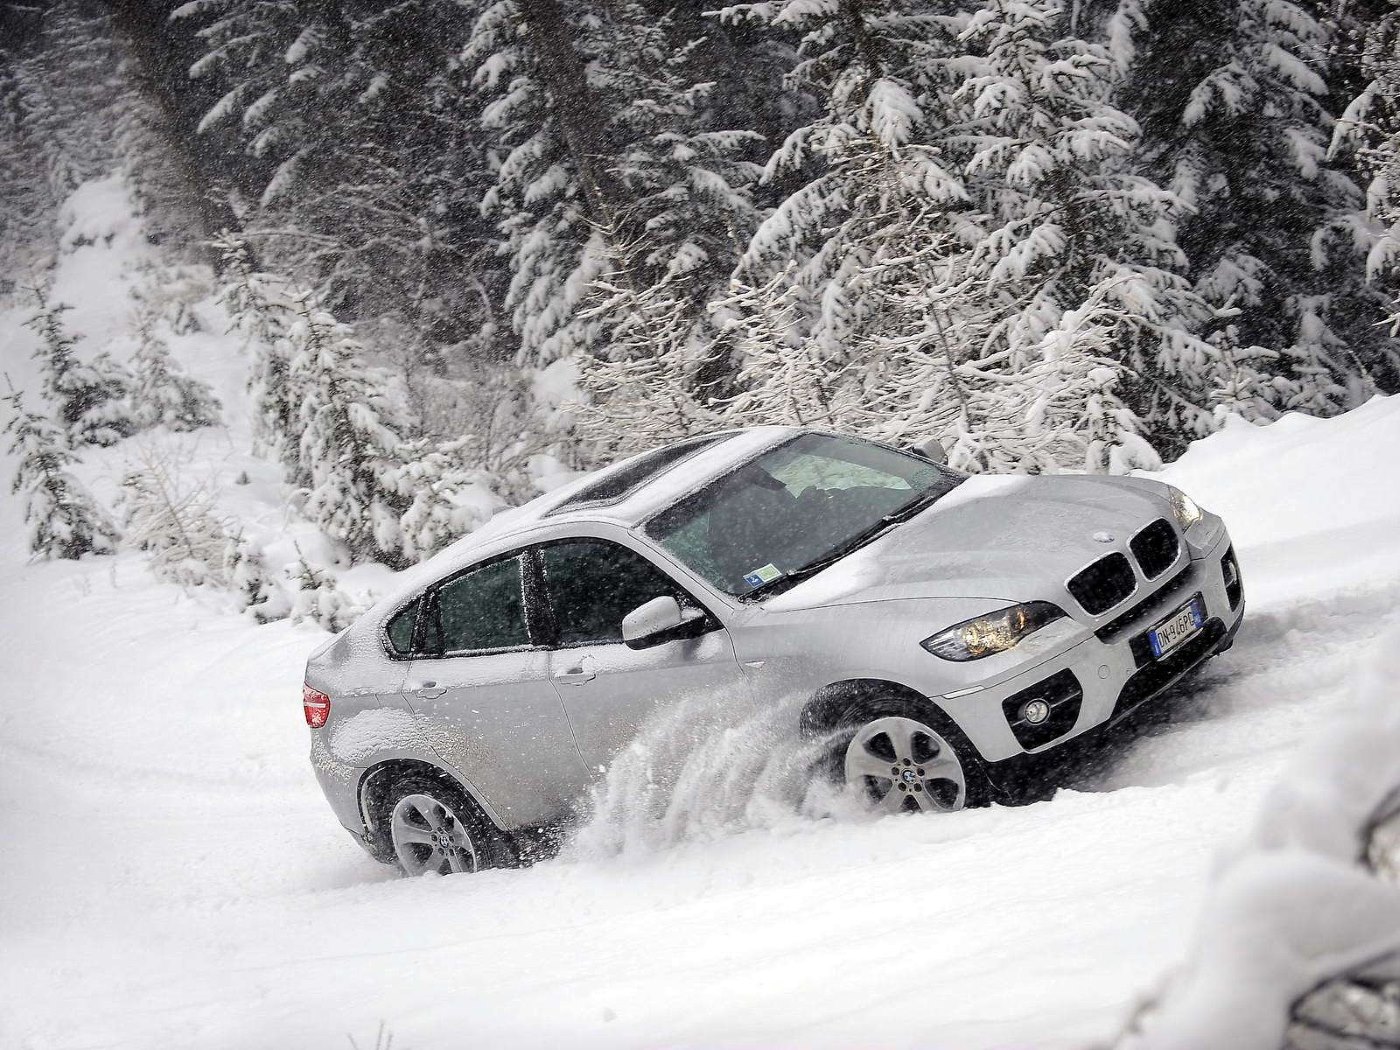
(994, 633)
(1185, 509)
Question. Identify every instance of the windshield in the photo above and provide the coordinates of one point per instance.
(793, 507)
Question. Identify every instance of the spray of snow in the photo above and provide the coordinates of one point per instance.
(711, 766)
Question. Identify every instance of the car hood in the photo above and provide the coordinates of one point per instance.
(1006, 538)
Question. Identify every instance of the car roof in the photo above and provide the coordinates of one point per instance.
(635, 505)
(677, 479)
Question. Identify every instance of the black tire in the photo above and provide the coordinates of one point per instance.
(420, 804)
(862, 712)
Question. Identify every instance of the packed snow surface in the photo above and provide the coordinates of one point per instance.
(171, 876)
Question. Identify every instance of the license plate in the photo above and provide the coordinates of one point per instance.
(1177, 627)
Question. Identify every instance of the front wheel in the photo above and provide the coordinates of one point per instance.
(901, 763)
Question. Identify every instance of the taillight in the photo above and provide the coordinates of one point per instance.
(316, 705)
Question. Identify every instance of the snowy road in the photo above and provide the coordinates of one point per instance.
(172, 877)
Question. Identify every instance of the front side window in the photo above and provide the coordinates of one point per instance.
(593, 584)
(482, 610)
(793, 507)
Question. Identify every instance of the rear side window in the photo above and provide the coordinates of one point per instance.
(400, 628)
(593, 584)
(482, 610)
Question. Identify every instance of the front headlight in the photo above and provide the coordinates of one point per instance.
(1185, 509)
(994, 633)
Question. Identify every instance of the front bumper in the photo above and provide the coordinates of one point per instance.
(1112, 671)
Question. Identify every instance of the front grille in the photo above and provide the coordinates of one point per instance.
(1156, 548)
(1103, 584)
(1064, 695)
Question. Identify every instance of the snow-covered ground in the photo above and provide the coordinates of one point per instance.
(171, 877)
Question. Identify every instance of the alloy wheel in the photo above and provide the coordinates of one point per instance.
(904, 765)
(429, 836)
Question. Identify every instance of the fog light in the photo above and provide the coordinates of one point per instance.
(1035, 711)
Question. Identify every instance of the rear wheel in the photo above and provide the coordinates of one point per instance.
(898, 756)
(435, 827)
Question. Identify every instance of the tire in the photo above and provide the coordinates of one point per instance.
(434, 826)
(906, 757)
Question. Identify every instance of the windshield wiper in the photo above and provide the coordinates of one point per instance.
(860, 539)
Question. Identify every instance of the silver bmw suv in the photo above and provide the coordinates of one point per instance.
(943, 629)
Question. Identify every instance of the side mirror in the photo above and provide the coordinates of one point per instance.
(659, 621)
(931, 449)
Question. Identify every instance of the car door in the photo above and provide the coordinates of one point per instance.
(608, 689)
(480, 688)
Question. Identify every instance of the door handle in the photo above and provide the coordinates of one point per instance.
(429, 690)
(575, 676)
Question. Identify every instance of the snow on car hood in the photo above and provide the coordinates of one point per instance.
(1008, 538)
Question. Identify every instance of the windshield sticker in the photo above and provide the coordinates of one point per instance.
(759, 577)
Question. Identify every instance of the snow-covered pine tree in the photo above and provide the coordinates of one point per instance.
(869, 162)
(162, 394)
(286, 75)
(555, 191)
(351, 450)
(1369, 130)
(67, 88)
(259, 306)
(175, 522)
(685, 173)
(63, 520)
(366, 162)
(1232, 99)
(933, 374)
(89, 398)
(609, 145)
(26, 207)
(972, 193)
(1077, 417)
(1062, 223)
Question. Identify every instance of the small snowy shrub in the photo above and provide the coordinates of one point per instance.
(258, 588)
(175, 522)
(63, 520)
(446, 498)
(319, 600)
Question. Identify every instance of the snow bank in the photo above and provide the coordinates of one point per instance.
(1311, 503)
(1292, 906)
